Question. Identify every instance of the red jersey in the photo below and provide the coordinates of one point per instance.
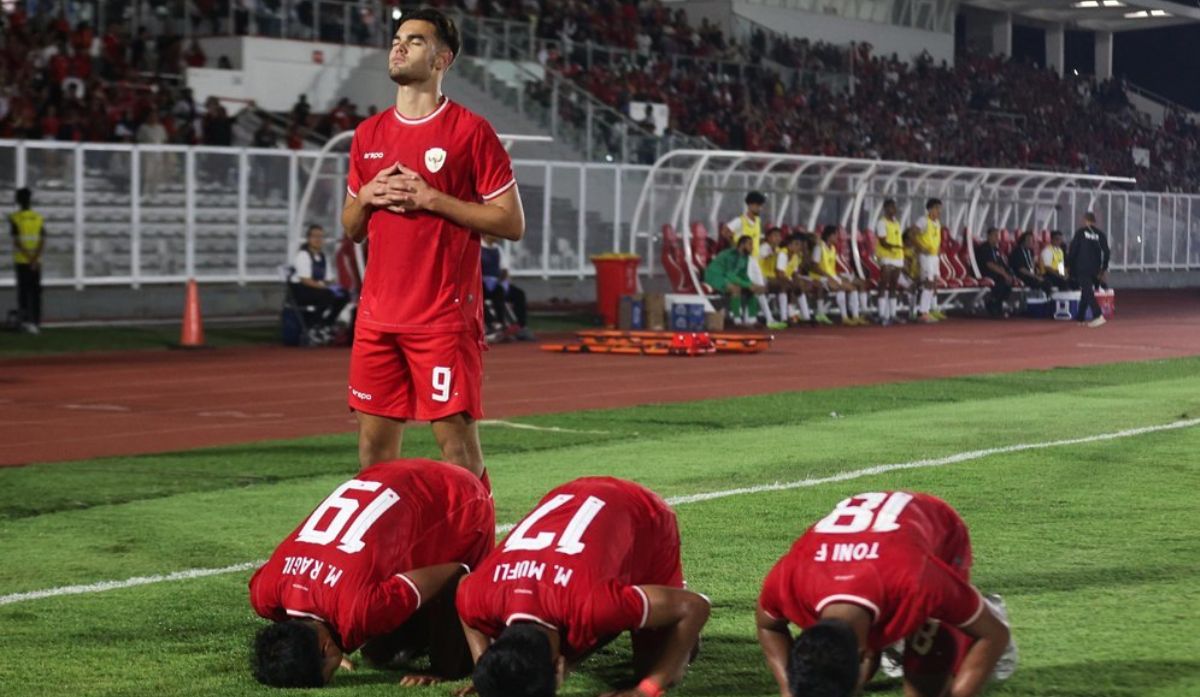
(575, 563)
(423, 270)
(905, 557)
(344, 564)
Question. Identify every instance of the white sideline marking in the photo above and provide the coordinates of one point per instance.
(233, 414)
(674, 501)
(127, 583)
(531, 427)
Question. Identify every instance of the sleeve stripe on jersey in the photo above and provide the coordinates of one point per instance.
(351, 192)
(309, 615)
(497, 192)
(522, 617)
(411, 585)
(978, 611)
(645, 606)
(855, 599)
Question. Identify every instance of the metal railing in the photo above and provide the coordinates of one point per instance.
(359, 23)
(571, 113)
(119, 214)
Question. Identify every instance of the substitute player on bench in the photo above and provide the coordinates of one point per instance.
(597, 557)
(880, 568)
(377, 562)
(426, 179)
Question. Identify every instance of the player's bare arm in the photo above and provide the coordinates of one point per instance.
(502, 216)
(992, 637)
(430, 581)
(680, 615)
(776, 641)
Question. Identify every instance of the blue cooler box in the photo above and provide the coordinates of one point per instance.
(1038, 306)
(687, 317)
(1066, 304)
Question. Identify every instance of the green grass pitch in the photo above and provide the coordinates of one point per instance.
(1094, 546)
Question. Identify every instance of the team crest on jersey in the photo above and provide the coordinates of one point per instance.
(434, 159)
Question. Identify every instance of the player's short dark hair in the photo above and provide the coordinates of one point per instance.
(828, 231)
(518, 664)
(287, 654)
(824, 661)
(773, 230)
(932, 202)
(755, 197)
(446, 29)
(1056, 233)
(889, 202)
(741, 239)
(24, 197)
(1090, 217)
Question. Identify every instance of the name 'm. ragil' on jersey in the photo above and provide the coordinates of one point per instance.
(575, 564)
(344, 564)
(422, 272)
(904, 557)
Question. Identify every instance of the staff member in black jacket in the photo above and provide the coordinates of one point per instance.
(1087, 263)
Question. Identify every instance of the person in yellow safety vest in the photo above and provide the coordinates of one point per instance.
(29, 239)
(889, 251)
(789, 268)
(1052, 263)
(928, 238)
(749, 224)
(774, 281)
(825, 272)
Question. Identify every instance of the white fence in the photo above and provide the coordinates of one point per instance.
(134, 215)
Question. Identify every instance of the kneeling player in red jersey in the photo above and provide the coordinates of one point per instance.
(881, 568)
(597, 557)
(377, 563)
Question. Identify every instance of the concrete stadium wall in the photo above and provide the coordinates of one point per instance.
(153, 302)
(273, 71)
(163, 303)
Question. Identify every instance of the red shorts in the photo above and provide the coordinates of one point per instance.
(416, 376)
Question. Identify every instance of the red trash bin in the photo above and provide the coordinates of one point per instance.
(616, 275)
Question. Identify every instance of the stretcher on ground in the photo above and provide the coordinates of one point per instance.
(651, 343)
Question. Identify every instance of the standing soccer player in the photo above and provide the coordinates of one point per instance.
(375, 565)
(928, 237)
(427, 178)
(598, 556)
(881, 568)
(889, 250)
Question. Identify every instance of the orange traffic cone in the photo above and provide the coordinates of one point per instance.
(192, 335)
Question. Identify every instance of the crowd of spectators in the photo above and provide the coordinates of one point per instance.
(70, 83)
(983, 111)
(65, 82)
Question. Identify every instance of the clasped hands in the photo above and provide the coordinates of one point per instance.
(400, 190)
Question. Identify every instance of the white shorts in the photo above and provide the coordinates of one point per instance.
(894, 263)
(754, 271)
(931, 266)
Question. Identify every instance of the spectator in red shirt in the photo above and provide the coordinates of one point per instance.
(195, 57)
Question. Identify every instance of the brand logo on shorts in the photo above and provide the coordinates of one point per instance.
(373, 156)
(434, 159)
(361, 395)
